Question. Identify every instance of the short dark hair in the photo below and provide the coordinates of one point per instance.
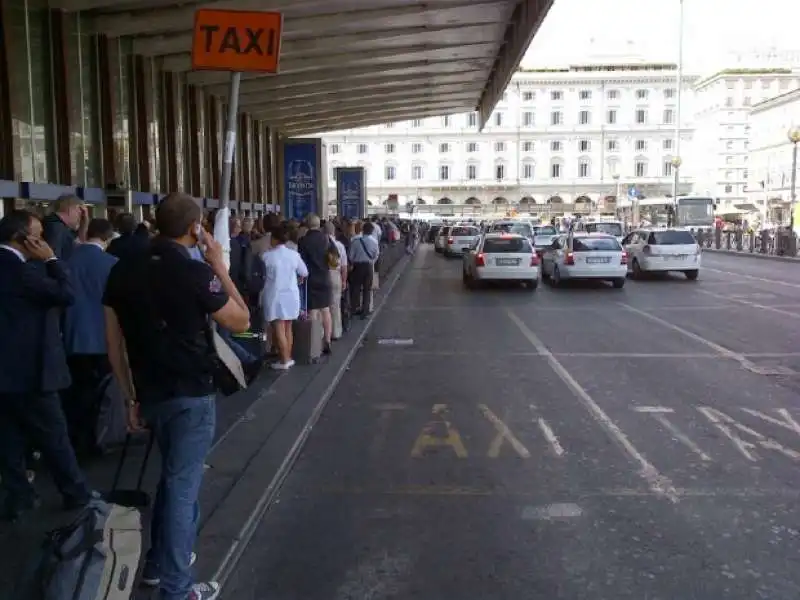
(14, 224)
(280, 233)
(367, 228)
(65, 202)
(126, 223)
(176, 213)
(100, 229)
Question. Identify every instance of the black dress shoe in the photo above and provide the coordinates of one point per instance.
(326, 349)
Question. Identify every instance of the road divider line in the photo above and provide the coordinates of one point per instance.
(680, 436)
(752, 277)
(657, 482)
(551, 438)
(751, 304)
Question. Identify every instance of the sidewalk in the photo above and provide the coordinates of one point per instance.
(257, 430)
(749, 254)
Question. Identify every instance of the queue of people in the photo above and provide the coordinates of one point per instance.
(82, 300)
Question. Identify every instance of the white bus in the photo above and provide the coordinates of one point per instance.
(690, 212)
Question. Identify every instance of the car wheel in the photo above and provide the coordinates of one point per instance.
(618, 283)
(637, 270)
(691, 275)
(556, 278)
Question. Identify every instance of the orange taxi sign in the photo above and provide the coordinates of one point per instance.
(236, 40)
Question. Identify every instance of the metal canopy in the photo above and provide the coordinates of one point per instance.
(348, 63)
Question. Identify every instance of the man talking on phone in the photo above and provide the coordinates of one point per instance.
(157, 310)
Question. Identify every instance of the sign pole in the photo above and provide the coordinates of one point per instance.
(230, 140)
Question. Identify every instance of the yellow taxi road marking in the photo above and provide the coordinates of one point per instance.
(548, 434)
(726, 424)
(657, 482)
(504, 434)
(431, 435)
(660, 415)
(752, 277)
(771, 309)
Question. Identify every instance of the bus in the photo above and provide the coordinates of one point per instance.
(689, 212)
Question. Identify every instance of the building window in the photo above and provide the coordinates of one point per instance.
(362, 149)
(667, 168)
(391, 172)
(416, 123)
(666, 144)
(556, 96)
(499, 172)
(728, 145)
(555, 171)
(389, 125)
(612, 146)
(472, 119)
(641, 116)
(640, 168)
(498, 119)
(555, 146)
(472, 147)
(334, 149)
(555, 118)
(416, 172)
(527, 146)
(527, 170)
(584, 118)
(728, 174)
(641, 145)
(528, 96)
(585, 95)
(499, 146)
(389, 148)
(583, 168)
(729, 102)
(669, 93)
(444, 172)
(669, 116)
(584, 146)
(416, 148)
(641, 94)
(613, 94)
(611, 117)
(444, 148)
(527, 119)
(472, 171)
(446, 121)
(728, 189)
(747, 101)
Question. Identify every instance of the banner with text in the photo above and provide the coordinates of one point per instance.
(301, 177)
(351, 192)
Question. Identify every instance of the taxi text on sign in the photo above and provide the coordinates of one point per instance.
(236, 40)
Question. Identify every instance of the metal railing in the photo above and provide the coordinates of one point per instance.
(781, 243)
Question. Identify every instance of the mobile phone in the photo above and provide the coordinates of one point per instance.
(199, 233)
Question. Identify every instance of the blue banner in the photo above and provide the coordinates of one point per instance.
(301, 177)
(351, 193)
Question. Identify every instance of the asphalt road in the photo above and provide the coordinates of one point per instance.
(579, 443)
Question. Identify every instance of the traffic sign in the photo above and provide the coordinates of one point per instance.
(236, 40)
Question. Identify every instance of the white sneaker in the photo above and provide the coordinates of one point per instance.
(279, 366)
(154, 581)
(208, 590)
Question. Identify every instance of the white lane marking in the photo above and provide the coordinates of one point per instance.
(788, 421)
(566, 510)
(717, 417)
(751, 304)
(504, 434)
(744, 447)
(657, 482)
(754, 278)
(548, 434)
(637, 354)
(659, 413)
(653, 409)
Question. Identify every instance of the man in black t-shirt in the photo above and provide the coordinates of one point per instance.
(157, 309)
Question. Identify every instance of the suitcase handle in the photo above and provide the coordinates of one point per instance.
(125, 448)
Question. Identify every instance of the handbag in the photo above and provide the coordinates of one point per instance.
(135, 498)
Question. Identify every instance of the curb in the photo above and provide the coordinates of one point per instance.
(755, 255)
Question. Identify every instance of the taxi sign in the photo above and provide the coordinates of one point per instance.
(236, 40)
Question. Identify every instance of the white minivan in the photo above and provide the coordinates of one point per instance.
(661, 251)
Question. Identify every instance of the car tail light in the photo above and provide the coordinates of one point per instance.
(534, 260)
(569, 259)
(480, 260)
(647, 250)
(624, 259)
(450, 241)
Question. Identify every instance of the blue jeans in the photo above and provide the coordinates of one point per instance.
(244, 356)
(184, 430)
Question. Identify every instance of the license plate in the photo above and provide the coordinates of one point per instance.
(506, 262)
(592, 260)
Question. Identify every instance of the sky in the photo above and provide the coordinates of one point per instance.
(717, 33)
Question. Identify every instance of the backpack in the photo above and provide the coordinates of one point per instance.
(93, 558)
(256, 273)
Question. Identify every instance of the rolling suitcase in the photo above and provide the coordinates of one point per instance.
(308, 334)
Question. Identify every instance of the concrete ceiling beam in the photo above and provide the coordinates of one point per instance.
(363, 120)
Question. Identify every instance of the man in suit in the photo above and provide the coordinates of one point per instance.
(84, 332)
(34, 290)
(132, 240)
(66, 226)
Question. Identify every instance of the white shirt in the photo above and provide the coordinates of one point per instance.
(14, 251)
(377, 232)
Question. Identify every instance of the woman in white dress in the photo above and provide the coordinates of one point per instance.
(281, 300)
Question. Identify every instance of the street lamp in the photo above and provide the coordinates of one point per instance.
(679, 86)
(794, 137)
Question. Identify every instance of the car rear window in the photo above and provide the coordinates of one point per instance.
(548, 230)
(586, 244)
(445, 230)
(461, 231)
(518, 228)
(509, 245)
(670, 238)
(609, 228)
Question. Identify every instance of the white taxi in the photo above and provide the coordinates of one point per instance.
(460, 239)
(501, 257)
(441, 238)
(663, 250)
(585, 256)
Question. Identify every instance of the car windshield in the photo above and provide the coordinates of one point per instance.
(518, 228)
(670, 238)
(506, 245)
(545, 230)
(464, 231)
(614, 229)
(587, 244)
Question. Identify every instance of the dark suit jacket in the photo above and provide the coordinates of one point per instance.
(129, 245)
(32, 298)
(84, 325)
